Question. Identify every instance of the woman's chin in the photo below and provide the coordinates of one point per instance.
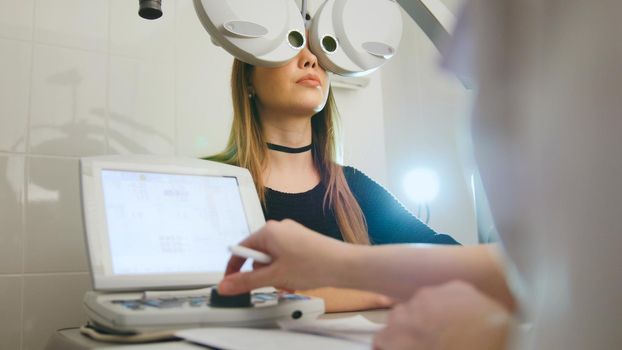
(310, 106)
(319, 107)
(307, 110)
(313, 104)
(304, 100)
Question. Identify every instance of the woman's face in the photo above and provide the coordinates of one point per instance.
(300, 87)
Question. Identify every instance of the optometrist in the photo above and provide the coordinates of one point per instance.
(546, 133)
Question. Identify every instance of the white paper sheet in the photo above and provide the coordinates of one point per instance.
(260, 339)
(356, 328)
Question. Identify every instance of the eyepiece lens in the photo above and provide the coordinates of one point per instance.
(329, 44)
(150, 9)
(296, 40)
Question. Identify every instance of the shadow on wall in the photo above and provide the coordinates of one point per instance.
(81, 132)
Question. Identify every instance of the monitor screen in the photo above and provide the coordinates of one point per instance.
(161, 223)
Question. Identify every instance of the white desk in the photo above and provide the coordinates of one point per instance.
(71, 339)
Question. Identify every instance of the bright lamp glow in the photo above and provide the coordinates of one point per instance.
(421, 185)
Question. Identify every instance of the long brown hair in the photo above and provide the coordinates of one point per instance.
(247, 148)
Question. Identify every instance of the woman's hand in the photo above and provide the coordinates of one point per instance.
(301, 259)
(348, 300)
(452, 316)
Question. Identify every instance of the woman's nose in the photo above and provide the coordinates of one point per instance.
(307, 59)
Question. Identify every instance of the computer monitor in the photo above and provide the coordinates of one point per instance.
(163, 223)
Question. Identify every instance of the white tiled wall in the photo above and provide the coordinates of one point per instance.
(426, 113)
(136, 123)
(70, 23)
(11, 311)
(11, 215)
(50, 302)
(16, 19)
(89, 77)
(15, 59)
(68, 86)
(53, 240)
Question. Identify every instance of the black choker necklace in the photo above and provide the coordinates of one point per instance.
(289, 149)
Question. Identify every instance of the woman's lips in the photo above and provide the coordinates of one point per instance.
(310, 80)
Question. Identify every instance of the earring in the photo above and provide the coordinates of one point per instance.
(251, 92)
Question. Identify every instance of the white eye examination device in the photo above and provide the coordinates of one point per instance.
(160, 223)
(349, 37)
(159, 233)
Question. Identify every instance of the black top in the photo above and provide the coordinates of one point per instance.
(388, 221)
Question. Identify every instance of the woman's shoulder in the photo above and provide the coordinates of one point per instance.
(357, 179)
(349, 170)
(351, 173)
(366, 189)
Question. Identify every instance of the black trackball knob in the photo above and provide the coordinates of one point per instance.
(229, 301)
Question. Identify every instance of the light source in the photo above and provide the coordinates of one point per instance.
(422, 186)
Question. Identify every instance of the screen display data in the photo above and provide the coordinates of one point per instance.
(171, 223)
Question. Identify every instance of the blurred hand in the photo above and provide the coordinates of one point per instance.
(301, 259)
(451, 316)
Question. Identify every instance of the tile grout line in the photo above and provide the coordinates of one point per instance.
(38, 155)
(175, 80)
(108, 77)
(40, 274)
(26, 177)
(55, 45)
(26, 174)
(21, 311)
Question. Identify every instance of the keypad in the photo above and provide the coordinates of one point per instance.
(257, 299)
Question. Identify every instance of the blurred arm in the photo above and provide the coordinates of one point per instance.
(398, 271)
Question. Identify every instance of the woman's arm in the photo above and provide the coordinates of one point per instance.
(346, 300)
(388, 220)
(303, 259)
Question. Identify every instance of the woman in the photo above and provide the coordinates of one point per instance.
(283, 132)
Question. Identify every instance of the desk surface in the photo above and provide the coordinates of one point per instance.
(71, 339)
